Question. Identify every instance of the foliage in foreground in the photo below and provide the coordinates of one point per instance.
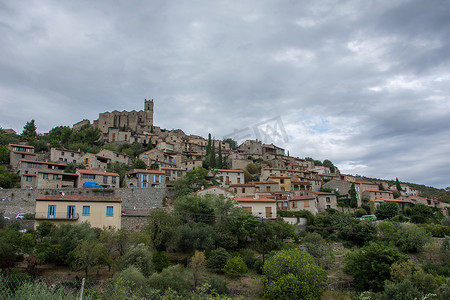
(293, 274)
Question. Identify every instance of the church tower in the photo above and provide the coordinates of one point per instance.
(148, 110)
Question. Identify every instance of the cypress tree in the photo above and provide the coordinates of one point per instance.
(397, 183)
(353, 199)
(219, 158)
(212, 156)
(208, 147)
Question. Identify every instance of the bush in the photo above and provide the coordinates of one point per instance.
(387, 210)
(140, 257)
(408, 237)
(292, 274)
(235, 266)
(217, 259)
(360, 212)
(318, 248)
(218, 285)
(438, 230)
(368, 275)
(134, 275)
(171, 277)
(446, 221)
(421, 213)
(160, 260)
(248, 256)
(358, 233)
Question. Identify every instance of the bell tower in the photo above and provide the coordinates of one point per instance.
(148, 109)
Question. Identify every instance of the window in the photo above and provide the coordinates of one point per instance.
(55, 177)
(62, 153)
(247, 209)
(109, 211)
(86, 210)
(328, 206)
(88, 176)
(45, 176)
(105, 179)
(156, 178)
(70, 211)
(239, 180)
(51, 211)
(306, 204)
(113, 179)
(72, 154)
(29, 179)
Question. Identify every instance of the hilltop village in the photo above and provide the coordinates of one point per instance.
(262, 178)
(160, 214)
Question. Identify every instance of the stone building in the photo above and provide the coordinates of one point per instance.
(134, 121)
(64, 156)
(18, 152)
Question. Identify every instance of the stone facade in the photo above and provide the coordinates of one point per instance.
(19, 152)
(24, 201)
(64, 156)
(135, 121)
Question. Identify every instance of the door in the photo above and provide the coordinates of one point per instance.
(70, 211)
(51, 211)
(268, 212)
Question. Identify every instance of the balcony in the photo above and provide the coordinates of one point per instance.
(56, 216)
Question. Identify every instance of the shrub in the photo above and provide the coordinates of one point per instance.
(360, 212)
(132, 274)
(140, 257)
(358, 233)
(171, 277)
(368, 275)
(408, 237)
(217, 259)
(248, 256)
(438, 230)
(318, 248)
(446, 221)
(387, 210)
(218, 285)
(160, 260)
(235, 266)
(292, 274)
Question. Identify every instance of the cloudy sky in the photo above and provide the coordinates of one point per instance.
(363, 83)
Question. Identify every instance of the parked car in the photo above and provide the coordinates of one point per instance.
(368, 218)
(6, 218)
(20, 216)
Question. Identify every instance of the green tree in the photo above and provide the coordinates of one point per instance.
(381, 186)
(217, 259)
(162, 229)
(72, 167)
(7, 179)
(193, 181)
(219, 162)
(4, 155)
(212, 156)
(367, 274)
(421, 213)
(9, 247)
(353, 198)
(293, 274)
(329, 164)
(140, 257)
(252, 169)
(139, 164)
(232, 143)
(387, 210)
(235, 266)
(29, 130)
(198, 266)
(160, 260)
(90, 253)
(398, 185)
(173, 278)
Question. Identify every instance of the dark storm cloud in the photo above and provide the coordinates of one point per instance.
(363, 83)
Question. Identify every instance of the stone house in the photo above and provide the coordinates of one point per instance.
(115, 157)
(173, 174)
(376, 194)
(139, 178)
(242, 189)
(258, 205)
(227, 177)
(251, 147)
(215, 190)
(190, 164)
(19, 152)
(265, 186)
(325, 200)
(116, 135)
(55, 180)
(105, 179)
(28, 170)
(308, 203)
(100, 212)
(64, 156)
(157, 156)
(94, 162)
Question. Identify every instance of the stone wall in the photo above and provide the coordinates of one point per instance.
(14, 201)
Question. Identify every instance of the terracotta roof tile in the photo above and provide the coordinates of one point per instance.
(94, 172)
